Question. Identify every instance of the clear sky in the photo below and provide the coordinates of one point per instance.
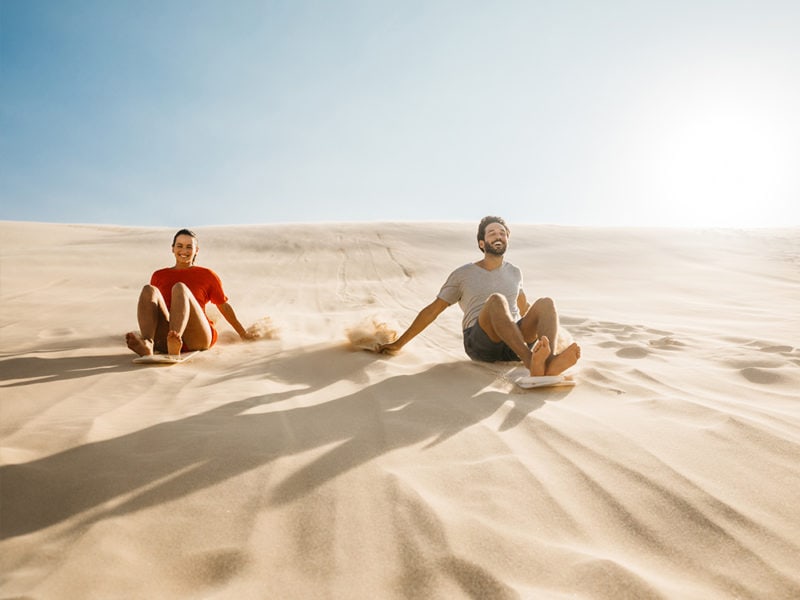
(158, 112)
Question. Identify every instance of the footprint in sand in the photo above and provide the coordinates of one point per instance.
(214, 567)
(760, 362)
(761, 376)
(667, 343)
(778, 349)
(56, 332)
(633, 352)
(629, 341)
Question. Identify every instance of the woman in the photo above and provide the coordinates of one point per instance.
(171, 309)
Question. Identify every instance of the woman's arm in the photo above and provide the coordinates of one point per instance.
(230, 316)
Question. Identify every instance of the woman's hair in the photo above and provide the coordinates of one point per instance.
(188, 232)
(485, 222)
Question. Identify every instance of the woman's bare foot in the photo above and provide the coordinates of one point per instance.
(561, 362)
(540, 353)
(174, 343)
(141, 346)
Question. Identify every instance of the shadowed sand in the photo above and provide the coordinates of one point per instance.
(300, 465)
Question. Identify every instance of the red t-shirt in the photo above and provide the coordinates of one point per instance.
(204, 284)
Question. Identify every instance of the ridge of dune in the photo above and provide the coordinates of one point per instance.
(299, 467)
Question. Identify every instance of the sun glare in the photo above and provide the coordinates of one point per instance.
(720, 165)
(715, 151)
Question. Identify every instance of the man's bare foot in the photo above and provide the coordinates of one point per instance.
(561, 362)
(141, 346)
(174, 343)
(541, 350)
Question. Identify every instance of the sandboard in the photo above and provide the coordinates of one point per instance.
(164, 359)
(545, 381)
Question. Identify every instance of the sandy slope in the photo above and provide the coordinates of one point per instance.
(294, 467)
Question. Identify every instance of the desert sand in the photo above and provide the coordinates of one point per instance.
(296, 466)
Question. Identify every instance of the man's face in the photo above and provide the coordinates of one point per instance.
(495, 239)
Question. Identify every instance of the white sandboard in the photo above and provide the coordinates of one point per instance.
(545, 381)
(164, 359)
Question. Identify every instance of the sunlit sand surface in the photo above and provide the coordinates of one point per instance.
(298, 466)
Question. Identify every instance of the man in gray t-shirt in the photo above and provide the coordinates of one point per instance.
(499, 324)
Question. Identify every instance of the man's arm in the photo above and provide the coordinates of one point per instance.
(522, 303)
(425, 317)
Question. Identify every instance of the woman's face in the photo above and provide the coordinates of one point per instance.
(184, 249)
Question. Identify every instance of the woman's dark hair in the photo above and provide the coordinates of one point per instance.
(485, 222)
(188, 232)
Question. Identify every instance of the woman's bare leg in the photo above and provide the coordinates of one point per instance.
(188, 325)
(153, 317)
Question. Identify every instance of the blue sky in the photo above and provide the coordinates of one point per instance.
(586, 113)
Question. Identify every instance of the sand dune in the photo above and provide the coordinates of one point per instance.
(298, 467)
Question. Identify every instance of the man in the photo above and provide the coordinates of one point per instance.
(499, 324)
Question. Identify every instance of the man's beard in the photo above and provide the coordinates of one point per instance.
(490, 249)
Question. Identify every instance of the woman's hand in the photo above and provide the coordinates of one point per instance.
(392, 348)
(248, 336)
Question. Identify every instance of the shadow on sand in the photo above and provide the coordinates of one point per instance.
(173, 459)
(24, 370)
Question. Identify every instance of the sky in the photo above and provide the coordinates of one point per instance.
(599, 113)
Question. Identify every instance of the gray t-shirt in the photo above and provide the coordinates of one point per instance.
(471, 285)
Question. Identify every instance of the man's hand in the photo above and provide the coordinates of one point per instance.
(248, 336)
(425, 317)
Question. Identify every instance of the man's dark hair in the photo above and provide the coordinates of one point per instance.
(485, 222)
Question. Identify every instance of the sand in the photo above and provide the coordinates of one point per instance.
(298, 467)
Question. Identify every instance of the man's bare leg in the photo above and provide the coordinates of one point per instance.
(559, 363)
(152, 315)
(541, 352)
(540, 321)
(188, 325)
(496, 321)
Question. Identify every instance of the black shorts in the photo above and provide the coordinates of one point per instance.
(479, 346)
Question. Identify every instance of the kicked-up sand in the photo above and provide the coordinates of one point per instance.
(297, 466)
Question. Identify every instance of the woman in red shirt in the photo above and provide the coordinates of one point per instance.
(171, 309)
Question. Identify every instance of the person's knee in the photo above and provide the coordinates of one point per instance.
(180, 289)
(544, 305)
(494, 311)
(497, 300)
(149, 292)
